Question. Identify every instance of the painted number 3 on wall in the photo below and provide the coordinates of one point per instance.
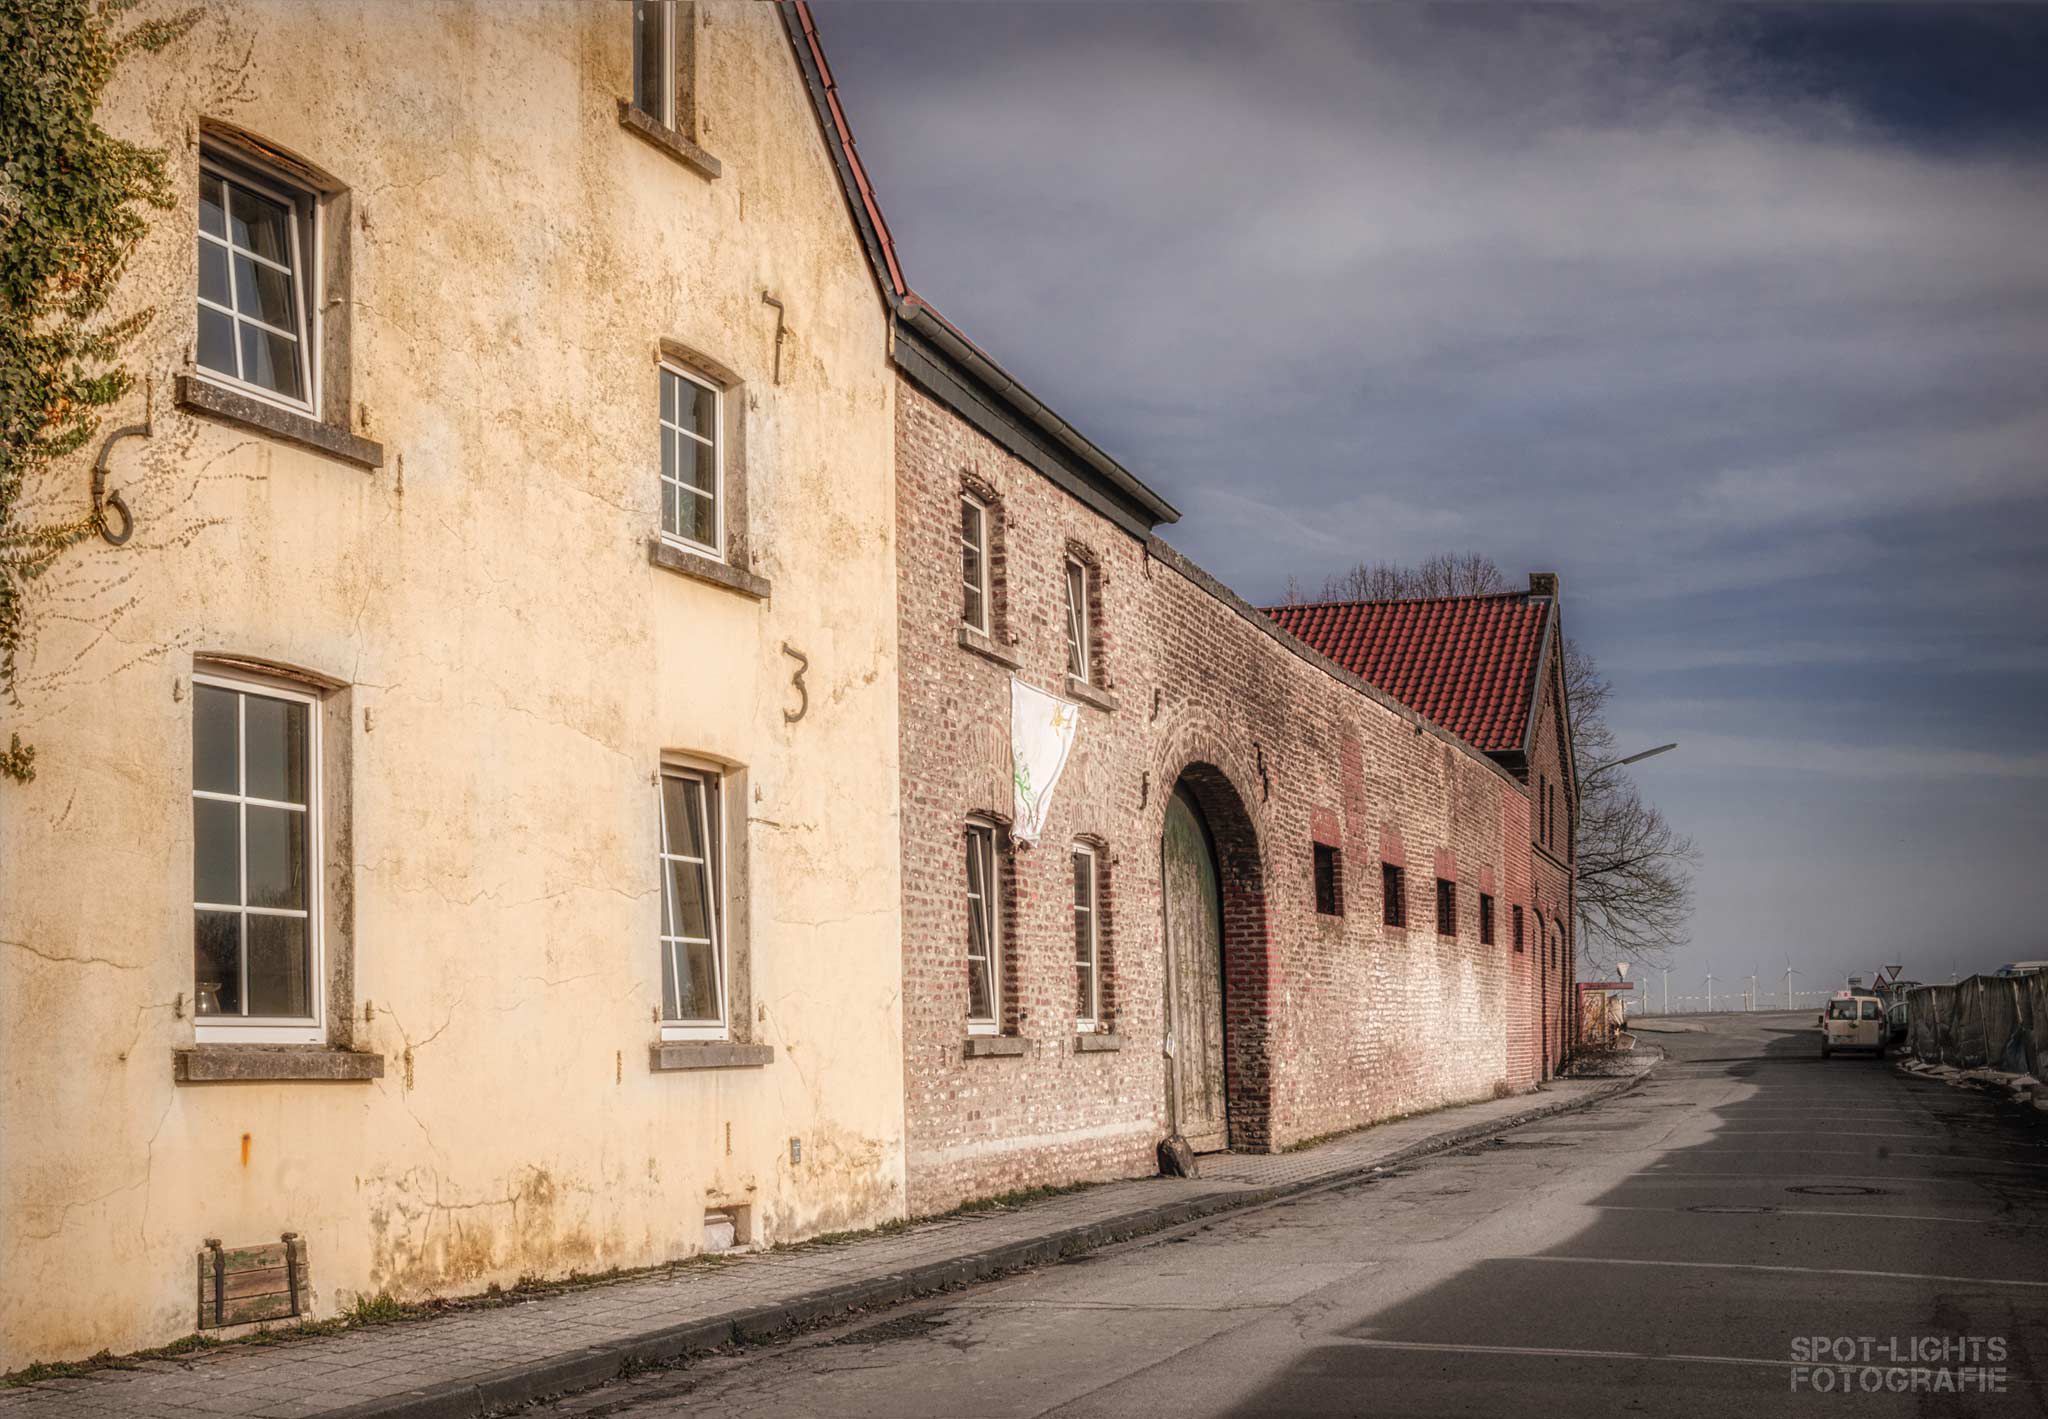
(796, 682)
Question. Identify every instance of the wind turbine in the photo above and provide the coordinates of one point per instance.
(1789, 973)
(1710, 992)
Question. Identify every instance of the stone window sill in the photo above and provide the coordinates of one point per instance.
(260, 1064)
(985, 647)
(1089, 694)
(203, 397)
(1096, 1041)
(707, 569)
(994, 1046)
(666, 1056)
(668, 140)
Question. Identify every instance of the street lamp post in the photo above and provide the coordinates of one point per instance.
(1599, 769)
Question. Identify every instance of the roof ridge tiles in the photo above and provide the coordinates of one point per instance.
(1278, 607)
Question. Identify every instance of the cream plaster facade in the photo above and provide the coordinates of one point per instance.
(511, 667)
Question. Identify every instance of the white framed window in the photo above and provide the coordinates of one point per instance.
(974, 562)
(654, 60)
(1087, 939)
(984, 932)
(692, 461)
(693, 955)
(255, 863)
(258, 301)
(1077, 619)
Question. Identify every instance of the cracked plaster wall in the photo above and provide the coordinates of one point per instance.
(515, 669)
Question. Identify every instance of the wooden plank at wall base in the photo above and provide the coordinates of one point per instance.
(257, 1281)
(242, 1285)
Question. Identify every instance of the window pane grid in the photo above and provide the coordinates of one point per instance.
(982, 928)
(1088, 1008)
(974, 562)
(1077, 620)
(684, 450)
(693, 988)
(285, 989)
(276, 364)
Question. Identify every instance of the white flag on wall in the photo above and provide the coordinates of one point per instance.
(1042, 729)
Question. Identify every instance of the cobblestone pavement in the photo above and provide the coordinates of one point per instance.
(459, 1364)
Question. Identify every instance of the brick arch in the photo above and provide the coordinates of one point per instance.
(1227, 799)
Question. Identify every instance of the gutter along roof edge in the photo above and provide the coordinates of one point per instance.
(1168, 555)
(919, 316)
(912, 309)
(927, 321)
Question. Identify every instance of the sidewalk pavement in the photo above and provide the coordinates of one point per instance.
(479, 1361)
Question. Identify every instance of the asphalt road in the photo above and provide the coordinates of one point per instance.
(1675, 1251)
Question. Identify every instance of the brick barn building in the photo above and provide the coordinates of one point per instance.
(1269, 900)
(1490, 669)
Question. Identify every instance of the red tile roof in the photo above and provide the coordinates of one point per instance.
(1467, 663)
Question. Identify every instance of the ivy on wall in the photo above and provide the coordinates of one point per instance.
(71, 212)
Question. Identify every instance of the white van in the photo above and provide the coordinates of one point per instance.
(1854, 1019)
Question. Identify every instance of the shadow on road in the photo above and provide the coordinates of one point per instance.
(1831, 1198)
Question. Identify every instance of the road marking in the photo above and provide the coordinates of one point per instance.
(1826, 1212)
(1865, 1153)
(1793, 1270)
(1808, 1133)
(1821, 1177)
(1557, 1352)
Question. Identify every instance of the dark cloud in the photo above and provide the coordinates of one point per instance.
(1737, 317)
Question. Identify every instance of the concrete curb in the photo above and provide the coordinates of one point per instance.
(588, 1367)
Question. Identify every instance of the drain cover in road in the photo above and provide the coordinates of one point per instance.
(1732, 1209)
(1837, 1190)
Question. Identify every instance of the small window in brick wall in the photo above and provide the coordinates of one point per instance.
(1485, 919)
(1079, 661)
(1393, 895)
(1515, 918)
(1329, 880)
(1087, 938)
(984, 931)
(1446, 907)
(974, 568)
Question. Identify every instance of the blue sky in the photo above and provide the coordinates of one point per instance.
(1735, 317)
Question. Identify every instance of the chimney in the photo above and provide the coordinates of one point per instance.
(1543, 584)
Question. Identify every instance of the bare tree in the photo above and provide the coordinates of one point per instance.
(1446, 574)
(1634, 868)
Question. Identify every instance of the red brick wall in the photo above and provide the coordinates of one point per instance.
(1333, 1022)
(1525, 1004)
(1557, 969)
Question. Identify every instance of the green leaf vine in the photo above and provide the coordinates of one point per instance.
(71, 212)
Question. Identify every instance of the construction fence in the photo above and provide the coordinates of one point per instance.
(1985, 1022)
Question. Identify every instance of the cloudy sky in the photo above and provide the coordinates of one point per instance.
(1737, 318)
